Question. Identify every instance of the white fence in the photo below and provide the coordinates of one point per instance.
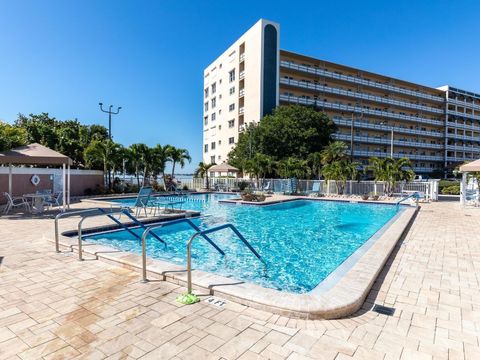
(428, 188)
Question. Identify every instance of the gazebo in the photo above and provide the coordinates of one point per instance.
(473, 166)
(36, 154)
(225, 170)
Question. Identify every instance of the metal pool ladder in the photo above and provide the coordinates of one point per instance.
(149, 230)
(209, 231)
(414, 195)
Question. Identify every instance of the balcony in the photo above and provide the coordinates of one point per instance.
(242, 57)
(465, 148)
(463, 103)
(387, 141)
(241, 110)
(358, 95)
(361, 153)
(364, 124)
(241, 93)
(463, 115)
(451, 124)
(356, 80)
(357, 109)
(242, 75)
(462, 137)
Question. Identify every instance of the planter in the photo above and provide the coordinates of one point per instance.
(253, 197)
(364, 197)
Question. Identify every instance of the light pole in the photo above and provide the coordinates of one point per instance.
(110, 113)
(391, 138)
(351, 138)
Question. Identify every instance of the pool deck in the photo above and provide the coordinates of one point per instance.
(55, 307)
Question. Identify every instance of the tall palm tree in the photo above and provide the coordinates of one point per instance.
(340, 171)
(292, 167)
(391, 171)
(259, 166)
(178, 156)
(160, 157)
(315, 162)
(202, 171)
(104, 152)
(139, 157)
(334, 151)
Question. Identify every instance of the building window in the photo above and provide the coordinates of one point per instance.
(231, 107)
(214, 88)
(205, 148)
(206, 106)
(214, 116)
(219, 157)
(232, 90)
(219, 127)
(214, 103)
(219, 142)
(206, 92)
(212, 159)
(231, 140)
(212, 146)
(205, 120)
(231, 75)
(231, 123)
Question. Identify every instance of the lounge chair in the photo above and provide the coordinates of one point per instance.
(14, 202)
(315, 188)
(142, 200)
(267, 187)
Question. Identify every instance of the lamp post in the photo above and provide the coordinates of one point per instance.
(110, 113)
(391, 138)
(351, 138)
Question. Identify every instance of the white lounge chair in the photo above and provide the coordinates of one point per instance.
(14, 202)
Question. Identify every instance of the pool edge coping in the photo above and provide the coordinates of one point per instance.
(345, 297)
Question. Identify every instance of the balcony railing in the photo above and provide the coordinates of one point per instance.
(242, 75)
(358, 95)
(242, 57)
(241, 110)
(463, 103)
(387, 141)
(464, 115)
(452, 124)
(356, 80)
(465, 148)
(241, 93)
(358, 109)
(396, 155)
(359, 123)
(462, 137)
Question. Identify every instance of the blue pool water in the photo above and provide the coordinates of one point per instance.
(301, 241)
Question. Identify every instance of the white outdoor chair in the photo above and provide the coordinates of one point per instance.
(14, 202)
(54, 200)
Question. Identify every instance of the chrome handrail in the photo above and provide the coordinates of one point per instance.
(72, 213)
(173, 222)
(415, 195)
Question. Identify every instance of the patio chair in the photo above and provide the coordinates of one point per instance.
(14, 202)
(267, 187)
(143, 197)
(54, 200)
(315, 188)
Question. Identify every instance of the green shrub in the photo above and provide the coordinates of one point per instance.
(242, 185)
(185, 187)
(451, 190)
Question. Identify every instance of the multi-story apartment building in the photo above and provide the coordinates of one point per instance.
(376, 115)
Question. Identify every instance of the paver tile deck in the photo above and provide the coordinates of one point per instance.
(55, 307)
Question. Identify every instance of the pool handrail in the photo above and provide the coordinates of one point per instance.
(168, 223)
(208, 231)
(73, 213)
(414, 195)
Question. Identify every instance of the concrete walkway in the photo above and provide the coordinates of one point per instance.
(55, 307)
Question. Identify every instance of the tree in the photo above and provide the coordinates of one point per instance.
(291, 131)
(391, 171)
(340, 171)
(11, 136)
(292, 167)
(160, 157)
(140, 155)
(335, 151)
(178, 156)
(202, 171)
(315, 163)
(105, 153)
(259, 166)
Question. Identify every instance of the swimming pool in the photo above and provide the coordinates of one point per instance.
(302, 241)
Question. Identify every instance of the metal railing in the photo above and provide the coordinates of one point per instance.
(149, 230)
(208, 231)
(414, 195)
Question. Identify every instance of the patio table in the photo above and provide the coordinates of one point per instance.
(37, 201)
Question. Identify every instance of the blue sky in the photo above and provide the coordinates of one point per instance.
(63, 57)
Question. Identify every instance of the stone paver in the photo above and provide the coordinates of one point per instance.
(55, 307)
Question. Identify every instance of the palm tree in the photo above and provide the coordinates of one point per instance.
(105, 153)
(292, 167)
(139, 157)
(259, 166)
(391, 171)
(340, 171)
(160, 157)
(179, 156)
(315, 161)
(202, 171)
(335, 151)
